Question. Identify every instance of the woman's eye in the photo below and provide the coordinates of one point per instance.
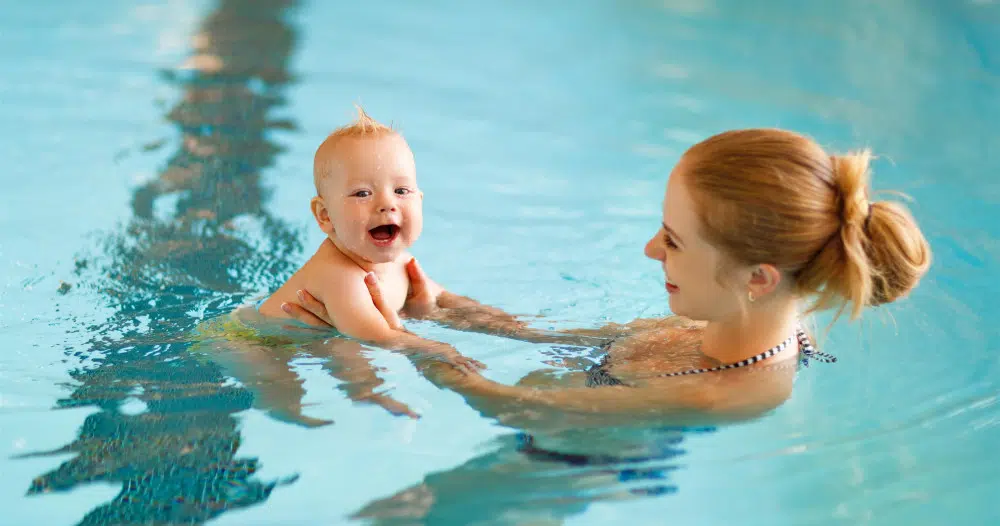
(669, 241)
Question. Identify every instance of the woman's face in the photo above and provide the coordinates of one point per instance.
(691, 265)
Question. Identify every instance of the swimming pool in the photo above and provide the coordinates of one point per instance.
(143, 194)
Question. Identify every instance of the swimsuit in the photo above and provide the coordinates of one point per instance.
(246, 326)
(598, 375)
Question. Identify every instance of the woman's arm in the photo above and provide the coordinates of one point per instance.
(428, 300)
(713, 399)
(466, 314)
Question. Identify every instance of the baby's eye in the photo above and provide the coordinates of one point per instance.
(403, 191)
(361, 193)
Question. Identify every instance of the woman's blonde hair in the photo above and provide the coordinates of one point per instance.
(773, 196)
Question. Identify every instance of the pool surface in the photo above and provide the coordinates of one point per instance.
(157, 174)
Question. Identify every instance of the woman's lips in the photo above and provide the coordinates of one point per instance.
(671, 288)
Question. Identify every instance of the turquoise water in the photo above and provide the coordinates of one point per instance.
(142, 196)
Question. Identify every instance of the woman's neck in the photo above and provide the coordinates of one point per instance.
(751, 333)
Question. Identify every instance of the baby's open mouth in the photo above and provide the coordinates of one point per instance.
(384, 234)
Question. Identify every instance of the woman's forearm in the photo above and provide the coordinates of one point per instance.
(550, 410)
(684, 402)
(466, 314)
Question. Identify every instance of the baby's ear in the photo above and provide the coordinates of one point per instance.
(321, 214)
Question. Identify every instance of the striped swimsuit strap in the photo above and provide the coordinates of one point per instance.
(805, 347)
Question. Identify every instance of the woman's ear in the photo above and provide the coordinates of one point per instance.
(764, 279)
(321, 214)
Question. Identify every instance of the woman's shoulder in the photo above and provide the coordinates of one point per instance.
(668, 322)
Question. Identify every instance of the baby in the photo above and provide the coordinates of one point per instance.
(370, 208)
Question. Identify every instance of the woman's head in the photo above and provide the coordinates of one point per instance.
(768, 212)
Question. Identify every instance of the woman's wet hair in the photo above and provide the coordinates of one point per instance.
(774, 196)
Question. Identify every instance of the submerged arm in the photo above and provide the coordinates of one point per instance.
(430, 301)
(265, 371)
(466, 314)
(723, 397)
(348, 363)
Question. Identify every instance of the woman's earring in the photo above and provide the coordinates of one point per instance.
(750, 296)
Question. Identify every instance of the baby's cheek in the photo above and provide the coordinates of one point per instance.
(357, 226)
(418, 227)
(415, 218)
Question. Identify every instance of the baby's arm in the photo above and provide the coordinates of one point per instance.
(350, 307)
(266, 372)
(348, 363)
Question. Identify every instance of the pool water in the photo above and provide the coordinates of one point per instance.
(157, 174)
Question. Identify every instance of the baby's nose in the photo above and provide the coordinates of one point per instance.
(386, 203)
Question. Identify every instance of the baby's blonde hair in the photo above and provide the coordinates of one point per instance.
(364, 127)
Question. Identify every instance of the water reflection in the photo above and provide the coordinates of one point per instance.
(198, 242)
(529, 480)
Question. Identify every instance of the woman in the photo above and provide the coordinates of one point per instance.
(756, 223)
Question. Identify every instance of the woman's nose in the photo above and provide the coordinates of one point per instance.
(653, 250)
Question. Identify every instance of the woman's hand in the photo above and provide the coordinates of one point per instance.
(312, 312)
(422, 299)
(309, 311)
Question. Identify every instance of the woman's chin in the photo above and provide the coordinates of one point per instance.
(677, 307)
(673, 303)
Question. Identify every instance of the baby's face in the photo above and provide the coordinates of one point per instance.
(371, 197)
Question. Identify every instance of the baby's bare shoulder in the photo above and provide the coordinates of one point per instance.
(326, 270)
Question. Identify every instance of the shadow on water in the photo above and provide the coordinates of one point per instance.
(198, 242)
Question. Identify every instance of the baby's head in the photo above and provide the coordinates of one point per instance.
(367, 198)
